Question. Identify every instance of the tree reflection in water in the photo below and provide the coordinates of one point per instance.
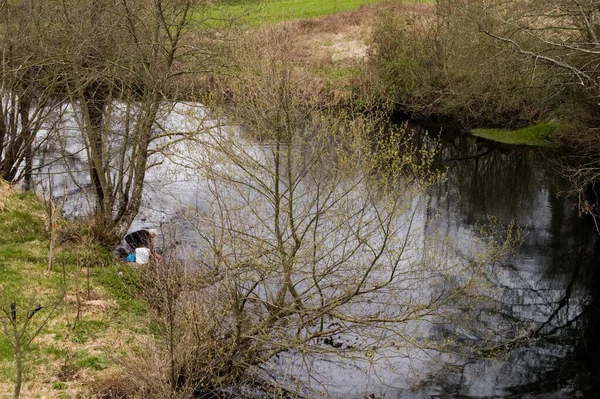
(542, 339)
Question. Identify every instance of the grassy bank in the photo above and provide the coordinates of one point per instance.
(539, 135)
(88, 317)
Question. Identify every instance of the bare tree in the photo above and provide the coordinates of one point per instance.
(121, 74)
(29, 101)
(20, 328)
(114, 69)
(313, 225)
(558, 33)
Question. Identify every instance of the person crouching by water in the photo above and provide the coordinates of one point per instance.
(137, 239)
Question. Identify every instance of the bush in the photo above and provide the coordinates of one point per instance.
(439, 64)
(190, 354)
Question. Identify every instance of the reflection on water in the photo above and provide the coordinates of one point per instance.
(548, 285)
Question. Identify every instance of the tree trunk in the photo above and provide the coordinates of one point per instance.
(95, 105)
(26, 146)
(19, 365)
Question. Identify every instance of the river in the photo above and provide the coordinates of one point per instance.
(548, 285)
(542, 329)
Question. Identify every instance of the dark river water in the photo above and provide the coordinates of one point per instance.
(541, 333)
(543, 330)
(549, 284)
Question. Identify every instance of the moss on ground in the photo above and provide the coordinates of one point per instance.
(539, 135)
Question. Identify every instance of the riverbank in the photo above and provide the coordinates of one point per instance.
(334, 53)
(89, 320)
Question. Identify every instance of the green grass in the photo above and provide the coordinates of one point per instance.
(79, 337)
(92, 328)
(539, 135)
(31, 252)
(85, 360)
(123, 283)
(21, 222)
(6, 349)
(56, 351)
(10, 275)
(271, 11)
(19, 226)
(88, 329)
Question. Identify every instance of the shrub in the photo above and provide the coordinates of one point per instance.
(438, 63)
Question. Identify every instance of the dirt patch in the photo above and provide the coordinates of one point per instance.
(95, 303)
(345, 37)
(350, 46)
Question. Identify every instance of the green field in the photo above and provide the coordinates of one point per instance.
(261, 12)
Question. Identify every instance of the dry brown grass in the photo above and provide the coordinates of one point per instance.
(115, 387)
(343, 39)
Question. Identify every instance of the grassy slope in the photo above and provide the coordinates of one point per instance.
(66, 357)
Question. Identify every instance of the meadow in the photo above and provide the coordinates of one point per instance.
(255, 13)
